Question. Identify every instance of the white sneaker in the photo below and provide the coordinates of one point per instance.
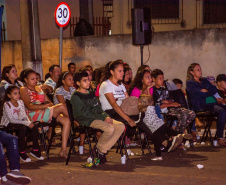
(18, 178)
(36, 155)
(173, 143)
(156, 159)
(24, 158)
(133, 144)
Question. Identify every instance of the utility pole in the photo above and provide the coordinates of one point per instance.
(30, 35)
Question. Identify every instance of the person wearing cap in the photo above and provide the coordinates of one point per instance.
(221, 86)
(211, 79)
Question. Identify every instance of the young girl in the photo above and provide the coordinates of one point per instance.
(160, 132)
(112, 92)
(9, 77)
(126, 77)
(142, 84)
(64, 88)
(98, 77)
(14, 117)
(39, 108)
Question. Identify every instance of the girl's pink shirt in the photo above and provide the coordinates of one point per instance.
(97, 94)
(136, 92)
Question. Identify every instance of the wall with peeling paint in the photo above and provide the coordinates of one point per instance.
(170, 51)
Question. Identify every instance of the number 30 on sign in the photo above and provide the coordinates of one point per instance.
(62, 14)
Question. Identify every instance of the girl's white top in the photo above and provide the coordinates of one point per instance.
(15, 115)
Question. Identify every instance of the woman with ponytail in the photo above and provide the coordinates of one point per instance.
(113, 92)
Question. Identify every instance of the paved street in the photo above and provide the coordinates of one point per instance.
(178, 167)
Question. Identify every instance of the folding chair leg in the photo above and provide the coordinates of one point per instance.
(123, 144)
(118, 145)
(43, 140)
(209, 132)
(204, 133)
(90, 148)
(149, 149)
(51, 140)
(141, 145)
(72, 144)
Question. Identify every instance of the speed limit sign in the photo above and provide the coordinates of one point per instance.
(62, 14)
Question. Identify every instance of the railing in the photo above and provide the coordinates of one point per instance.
(101, 25)
(3, 32)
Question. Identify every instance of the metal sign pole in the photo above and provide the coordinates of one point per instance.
(62, 18)
(141, 53)
(61, 45)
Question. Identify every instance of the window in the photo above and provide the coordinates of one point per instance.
(214, 11)
(160, 8)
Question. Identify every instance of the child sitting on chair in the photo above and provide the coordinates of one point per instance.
(160, 132)
(88, 112)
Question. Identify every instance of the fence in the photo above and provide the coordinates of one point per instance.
(101, 25)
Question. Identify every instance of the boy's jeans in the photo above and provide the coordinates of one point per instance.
(111, 133)
(11, 143)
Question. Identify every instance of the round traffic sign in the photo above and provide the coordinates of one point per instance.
(62, 14)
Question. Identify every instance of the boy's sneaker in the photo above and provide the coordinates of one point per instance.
(178, 141)
(36, 154)
(18, 177)
(8, 182)
(24, 157)
(102, 157)
(156, 159)
(173, 143)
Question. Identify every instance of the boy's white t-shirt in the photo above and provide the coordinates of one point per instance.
(118, 93)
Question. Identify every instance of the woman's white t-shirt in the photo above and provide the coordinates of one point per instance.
(117, 91)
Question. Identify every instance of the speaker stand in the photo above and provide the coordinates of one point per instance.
(141, 53)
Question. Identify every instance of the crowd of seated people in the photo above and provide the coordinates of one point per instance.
(96, 97)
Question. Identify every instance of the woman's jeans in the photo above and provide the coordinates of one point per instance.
(11, 144)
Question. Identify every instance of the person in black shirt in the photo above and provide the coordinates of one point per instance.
(221, 86)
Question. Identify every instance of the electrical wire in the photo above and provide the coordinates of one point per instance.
(149, 54)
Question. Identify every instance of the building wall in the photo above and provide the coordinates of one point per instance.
(97, 8)
(48, 27)
(170, 51)
(121, 20)
(192, 15)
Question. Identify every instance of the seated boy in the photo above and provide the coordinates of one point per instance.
(179, 84)
(162, 98)
(14, 176)
(87, 111)
(221, 86)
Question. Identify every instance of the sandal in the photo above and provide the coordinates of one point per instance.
(221, 142)
(85, 151)
(64, 154)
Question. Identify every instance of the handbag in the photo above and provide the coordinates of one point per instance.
(130, 106)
